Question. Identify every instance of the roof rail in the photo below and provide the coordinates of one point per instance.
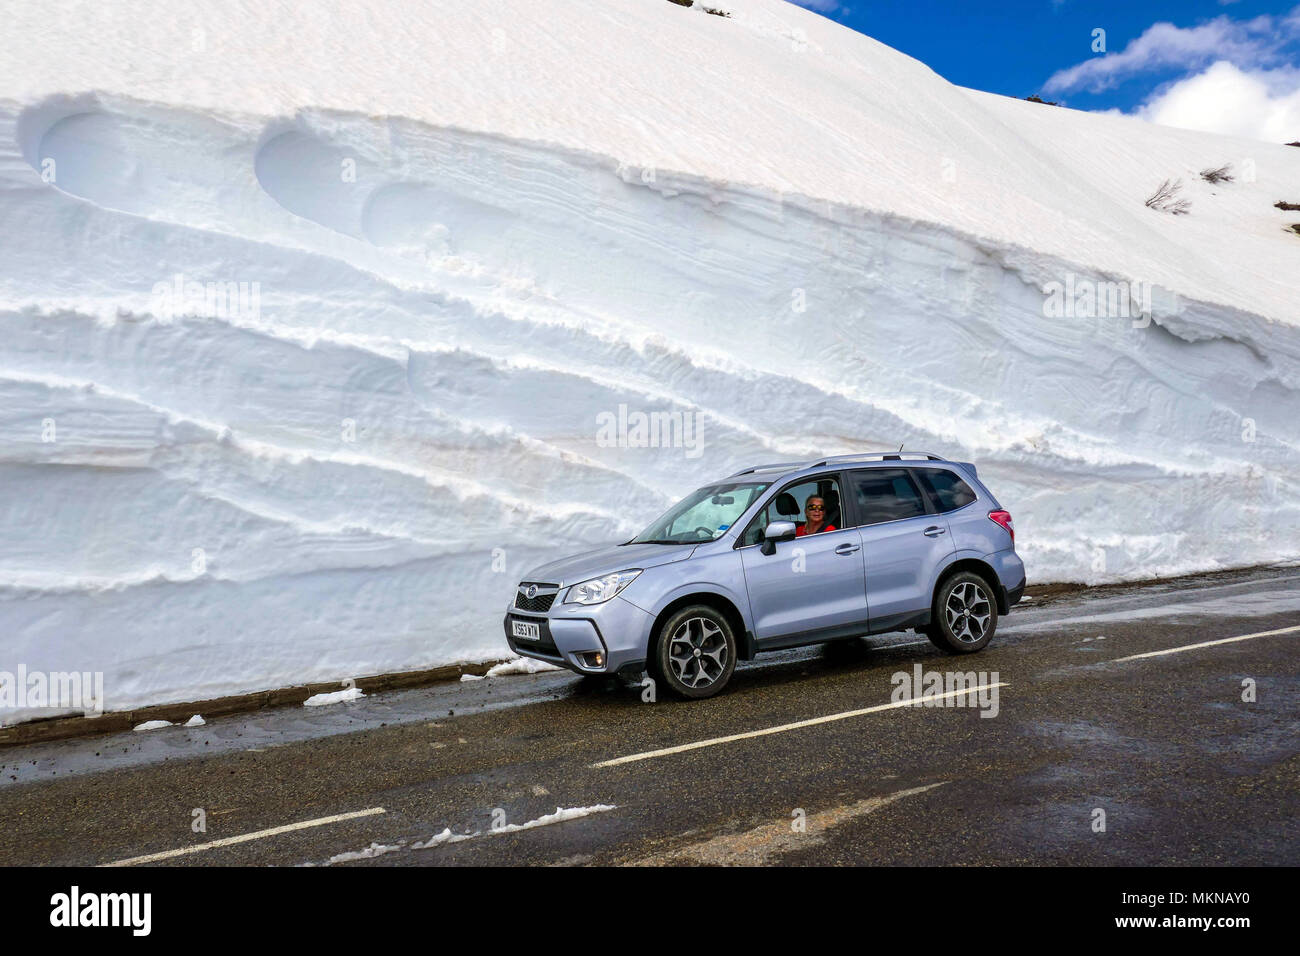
(838, 459)
(776, 464)
(879, 456)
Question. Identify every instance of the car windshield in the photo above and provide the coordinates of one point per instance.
(703, 515)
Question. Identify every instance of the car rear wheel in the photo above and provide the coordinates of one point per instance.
(964, 615)
(695, 653)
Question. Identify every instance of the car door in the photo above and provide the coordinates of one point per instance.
(903, 543)
(811, 584)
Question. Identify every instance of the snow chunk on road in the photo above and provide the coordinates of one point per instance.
(521, 665)
(337, 697)
(152, 725)
(446, 836)
(195, 721)
(559, 816)
(375, 849)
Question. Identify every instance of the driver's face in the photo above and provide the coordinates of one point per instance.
(815, 508)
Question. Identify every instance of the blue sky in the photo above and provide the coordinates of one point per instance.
(1229, 66)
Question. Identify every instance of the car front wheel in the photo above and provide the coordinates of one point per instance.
(695, 653)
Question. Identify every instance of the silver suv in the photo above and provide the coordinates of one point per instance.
(778, 556)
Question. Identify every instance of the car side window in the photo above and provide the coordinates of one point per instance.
(886, 494)
(790, 504)
(948, 491)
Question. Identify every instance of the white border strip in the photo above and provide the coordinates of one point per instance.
(245, 837)
(782, 728)
(1192, 647)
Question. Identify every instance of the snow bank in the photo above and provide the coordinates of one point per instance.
(310, 319)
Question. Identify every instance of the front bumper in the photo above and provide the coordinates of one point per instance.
(572, 634)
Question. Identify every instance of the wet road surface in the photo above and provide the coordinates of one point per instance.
(1117, 734)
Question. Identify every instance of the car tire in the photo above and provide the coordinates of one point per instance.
(694, 653)
(964, 615)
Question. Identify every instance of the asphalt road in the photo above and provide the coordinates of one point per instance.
(1161, 749)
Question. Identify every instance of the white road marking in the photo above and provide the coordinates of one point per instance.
(245, 837)
(1193, 647)
(782, 728)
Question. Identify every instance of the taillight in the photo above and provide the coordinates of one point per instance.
(1004, 518)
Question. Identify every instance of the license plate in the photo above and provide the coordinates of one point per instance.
(527, 630)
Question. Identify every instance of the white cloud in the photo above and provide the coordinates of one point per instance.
(1259, 104)
(1252, 44)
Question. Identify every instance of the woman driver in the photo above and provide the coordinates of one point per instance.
(815, 509)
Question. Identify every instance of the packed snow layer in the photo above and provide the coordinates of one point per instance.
(773, 95)
(453, 273)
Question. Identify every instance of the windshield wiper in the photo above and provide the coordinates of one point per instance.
(664, 541)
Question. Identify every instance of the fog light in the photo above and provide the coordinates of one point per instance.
(592, 659)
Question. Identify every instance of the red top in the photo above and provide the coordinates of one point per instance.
(799, 531)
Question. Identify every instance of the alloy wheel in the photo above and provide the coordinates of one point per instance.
(968, 609)
(697, 651)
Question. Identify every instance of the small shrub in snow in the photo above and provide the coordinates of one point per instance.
(1221, 175)
(716, 12)
(1166, 199)
(1038, 99)
(1297, 143)
(1295, 227)
(683, 3)
(1287, 206)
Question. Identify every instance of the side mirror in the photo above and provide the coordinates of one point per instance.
(774, 532)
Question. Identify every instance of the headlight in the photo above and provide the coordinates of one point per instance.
(599, 590)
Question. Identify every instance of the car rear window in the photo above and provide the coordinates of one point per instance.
(949, 491)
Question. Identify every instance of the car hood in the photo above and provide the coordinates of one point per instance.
(593, 564)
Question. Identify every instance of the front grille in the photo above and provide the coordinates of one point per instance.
(540, 602)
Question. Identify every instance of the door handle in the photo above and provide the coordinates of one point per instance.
(848, 548)
(933, 531)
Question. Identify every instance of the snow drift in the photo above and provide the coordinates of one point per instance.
(313, 322)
